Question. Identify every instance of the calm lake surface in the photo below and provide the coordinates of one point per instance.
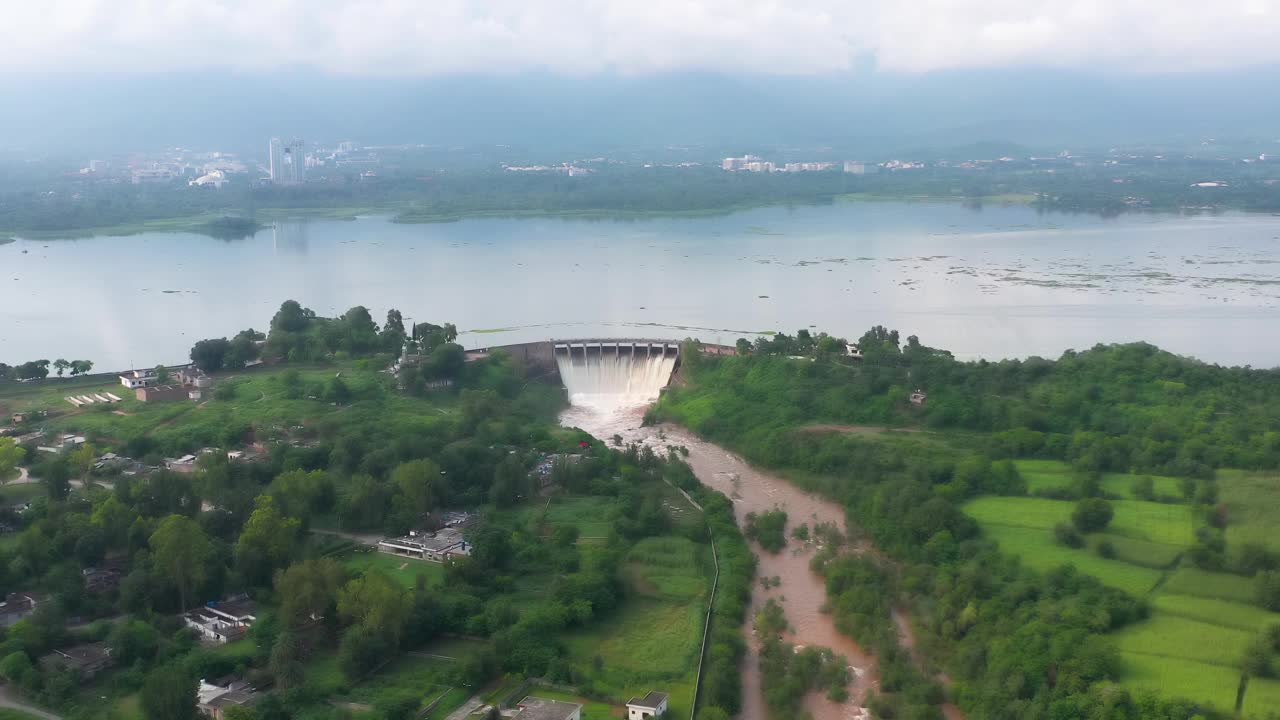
(996, 282)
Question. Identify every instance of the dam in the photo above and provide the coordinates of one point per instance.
(599, 374)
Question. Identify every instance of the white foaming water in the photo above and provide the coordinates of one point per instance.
(609, 380)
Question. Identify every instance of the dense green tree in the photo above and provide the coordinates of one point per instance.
(376, 603)
(1092, 514)
(169, 693)
(210, 355)
(266, 543)
(309, 590)
(180, 550)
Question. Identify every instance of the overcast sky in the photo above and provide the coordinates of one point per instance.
(417, 37)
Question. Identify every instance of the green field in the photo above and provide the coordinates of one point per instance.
(1178, 637)
(588, 514)
(7, 714)
(403, 570)
(1038, 550)
(1055, 474)
(1236, 615)
(1155, 522)
(1262, 697)
(1252, 511)
(1201, 583)
(653, 640)
(424, 678)
(1202, 682)
(591, 709)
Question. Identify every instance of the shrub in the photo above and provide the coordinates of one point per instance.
(1067, 535)
(1106, 549)
(1092, 514)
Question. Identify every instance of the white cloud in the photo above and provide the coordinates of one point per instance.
(586, 36)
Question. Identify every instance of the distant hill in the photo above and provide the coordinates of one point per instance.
(856, 114)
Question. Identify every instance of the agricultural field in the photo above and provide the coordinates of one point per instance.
(403, 570)
(653, 640)
(1252, 511)
(1250, 618)
(1217, 586)
(1038, 550)
(1055, 474)
(1212, 684)
(1201, 622)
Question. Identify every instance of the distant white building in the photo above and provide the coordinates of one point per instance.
(216, 178)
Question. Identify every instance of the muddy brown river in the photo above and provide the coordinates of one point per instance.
(801, 592)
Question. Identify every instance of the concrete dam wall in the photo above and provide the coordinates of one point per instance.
(604, 375)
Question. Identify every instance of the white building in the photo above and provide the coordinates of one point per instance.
(216, 178)
(135, 379)
(653, 705)
(288, 161)
(437, 547)
(222, 622)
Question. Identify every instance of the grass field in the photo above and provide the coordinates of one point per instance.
(1177, 637)
(1253, 515)
(403, 569)
(591, 709)
(588, 514)
(1038, 550)
(452, 699)
(653, 640)
(1052, 474)
(1236, 615)
(1201, 583)
(1206, 683)
(1155, 522)
(1262, 697)
(424, 678)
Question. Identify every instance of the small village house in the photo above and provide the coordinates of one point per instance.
(652, 705)
(86, 660)
(214, 697)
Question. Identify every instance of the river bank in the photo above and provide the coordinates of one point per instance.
(801, 592)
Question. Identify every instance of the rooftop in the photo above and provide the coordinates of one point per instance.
(652, 700)
(536, 708)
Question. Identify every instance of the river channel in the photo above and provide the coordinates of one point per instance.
(801, 592)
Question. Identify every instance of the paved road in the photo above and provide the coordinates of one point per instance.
(8, 699)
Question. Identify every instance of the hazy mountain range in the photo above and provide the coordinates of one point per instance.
(857, 114)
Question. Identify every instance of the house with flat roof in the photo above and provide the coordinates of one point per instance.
(652, 705)
(214, 697)
(17, 605)
(86, 660)
(536, 708)
(135, 379)
(436, 547)
(223, 622)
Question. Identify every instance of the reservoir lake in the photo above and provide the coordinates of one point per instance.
(994, 282)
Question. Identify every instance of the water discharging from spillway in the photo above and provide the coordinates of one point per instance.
(610, 378)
